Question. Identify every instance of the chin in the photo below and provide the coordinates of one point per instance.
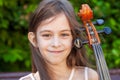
(56, 62)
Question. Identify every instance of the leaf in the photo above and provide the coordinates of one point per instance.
(13, 55)
(1, 2)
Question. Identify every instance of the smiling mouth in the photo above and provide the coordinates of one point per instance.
(56, 52)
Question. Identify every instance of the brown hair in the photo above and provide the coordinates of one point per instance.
(47, 9)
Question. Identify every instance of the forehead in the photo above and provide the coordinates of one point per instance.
(59, 22)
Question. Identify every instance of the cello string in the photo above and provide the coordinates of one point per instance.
(103, 70)
(105, 65)
(97, 53)
(101, 62)
(97, 63)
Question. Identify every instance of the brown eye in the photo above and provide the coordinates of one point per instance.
(65, 35)
(46, 36)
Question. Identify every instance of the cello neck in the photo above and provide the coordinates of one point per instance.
(86, 14)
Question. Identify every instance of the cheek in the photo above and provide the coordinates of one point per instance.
(42, 45)
(68, 43)
(40, 42)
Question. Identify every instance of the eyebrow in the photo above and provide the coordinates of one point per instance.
(65, 30)
(50, 31)
(45, 31)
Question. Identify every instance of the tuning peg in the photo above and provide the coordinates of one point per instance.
(98, 22)
(78, 43)
(106, 30)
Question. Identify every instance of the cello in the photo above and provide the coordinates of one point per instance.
(86, 14)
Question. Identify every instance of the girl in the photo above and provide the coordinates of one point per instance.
(53, 29)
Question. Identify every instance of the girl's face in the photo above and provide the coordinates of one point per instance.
(54, 39)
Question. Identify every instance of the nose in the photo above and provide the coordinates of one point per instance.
(56, 42)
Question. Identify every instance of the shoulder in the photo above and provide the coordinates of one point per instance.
(27, 77)
(31, 76)
(92, 74)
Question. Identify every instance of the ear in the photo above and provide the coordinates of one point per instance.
(31, 37)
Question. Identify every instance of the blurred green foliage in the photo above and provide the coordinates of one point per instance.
(14, 46)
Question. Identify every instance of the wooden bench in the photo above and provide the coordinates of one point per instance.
(12, 75)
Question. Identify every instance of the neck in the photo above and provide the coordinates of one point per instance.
(61, 71)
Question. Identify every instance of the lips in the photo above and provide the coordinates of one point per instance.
(55, 52)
